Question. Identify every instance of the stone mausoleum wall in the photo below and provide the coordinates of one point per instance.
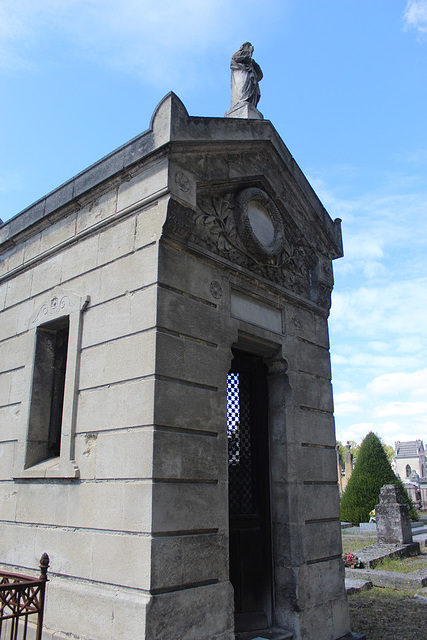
(199, 236)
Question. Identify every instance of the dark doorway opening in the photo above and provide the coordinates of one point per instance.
(249, 504)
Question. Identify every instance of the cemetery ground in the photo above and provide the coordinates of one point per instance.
(387, 612)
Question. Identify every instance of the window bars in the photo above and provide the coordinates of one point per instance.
(21, 597)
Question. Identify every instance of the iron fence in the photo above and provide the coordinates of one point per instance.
(21, 597)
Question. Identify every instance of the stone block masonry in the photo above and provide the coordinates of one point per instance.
(195, 252)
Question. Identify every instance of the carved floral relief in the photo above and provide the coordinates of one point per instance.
(247, 229)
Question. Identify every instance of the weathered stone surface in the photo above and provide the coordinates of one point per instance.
(184, 359)
(8, 490)
(311, 357)
(187, 275)
(204, 608)
(391, 579)
(315, 427)
(11, 259)
(47, 274)
(149, 223)
(126, 358)
(152, 182)
(392, 517)
(10, 420)
(17, 290)
(120, 406)
(80, 258)
(321, 540)
(186, 455)
(121, 506)
(120, 317)
(323, 582)
(185, 560)
(188, 316)
(97, 211)
(188, 406)
(109, 611)
(116, 241)
(318, 463)
(130, 273)
(255, 311)
(184, 506)
(320, 502)
(197, 238)
(314, 393)
(110, 455)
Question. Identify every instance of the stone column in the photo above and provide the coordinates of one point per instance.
(392, 516)
(348, 461)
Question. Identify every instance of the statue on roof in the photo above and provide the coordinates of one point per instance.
(245, 76)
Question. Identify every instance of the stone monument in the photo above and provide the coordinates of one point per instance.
(392, 517)
(245, 77)
(166, 414)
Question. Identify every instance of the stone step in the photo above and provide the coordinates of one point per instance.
(353, 585)
(265, 634)
(392, 579)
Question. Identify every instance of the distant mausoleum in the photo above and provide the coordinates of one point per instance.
(409, 457)
(410, 466)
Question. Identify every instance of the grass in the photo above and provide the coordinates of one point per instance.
(350, 544)
(383, 613)
(404, 565)
(386, 614)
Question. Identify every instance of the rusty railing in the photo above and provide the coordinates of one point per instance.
(22, 597)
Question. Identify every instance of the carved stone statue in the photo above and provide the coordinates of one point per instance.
(245, 76)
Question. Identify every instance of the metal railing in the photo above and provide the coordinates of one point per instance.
(22, 597)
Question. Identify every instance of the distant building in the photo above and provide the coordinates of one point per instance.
(409, 457)
(410, 466)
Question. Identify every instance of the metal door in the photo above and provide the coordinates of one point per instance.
(249, 506)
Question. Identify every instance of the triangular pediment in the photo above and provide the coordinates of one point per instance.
(245, 224)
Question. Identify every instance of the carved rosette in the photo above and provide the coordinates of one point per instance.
(248, 229)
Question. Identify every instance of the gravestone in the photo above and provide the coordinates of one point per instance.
(392, 517)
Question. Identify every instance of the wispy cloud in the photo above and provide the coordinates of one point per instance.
(407, 409)
(158, 42)
(377, 324)
(413, 383)
(415, 15)
(389, 431)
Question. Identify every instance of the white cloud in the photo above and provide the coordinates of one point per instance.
(415, 15)
(159, 42)
(404, 409)
(389, 431)
(412, 383)
(346, 409)
(348, 403)
(349, 396)
(397, 308)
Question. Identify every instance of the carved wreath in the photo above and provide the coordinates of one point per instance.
(223, 225)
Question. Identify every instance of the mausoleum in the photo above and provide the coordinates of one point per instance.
(166, 413)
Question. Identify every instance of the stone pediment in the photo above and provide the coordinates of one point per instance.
(243, 224)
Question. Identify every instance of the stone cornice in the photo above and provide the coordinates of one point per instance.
(170, 123)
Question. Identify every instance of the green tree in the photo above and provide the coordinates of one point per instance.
(389, 451)
(372, 470)
(341, 451)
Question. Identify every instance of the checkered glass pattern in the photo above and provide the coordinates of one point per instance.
(241, 498)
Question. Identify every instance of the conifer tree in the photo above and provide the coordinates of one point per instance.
(371, 471)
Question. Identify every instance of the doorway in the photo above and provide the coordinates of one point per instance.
(248, 482)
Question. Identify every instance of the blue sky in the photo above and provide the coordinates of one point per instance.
(344, 85)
